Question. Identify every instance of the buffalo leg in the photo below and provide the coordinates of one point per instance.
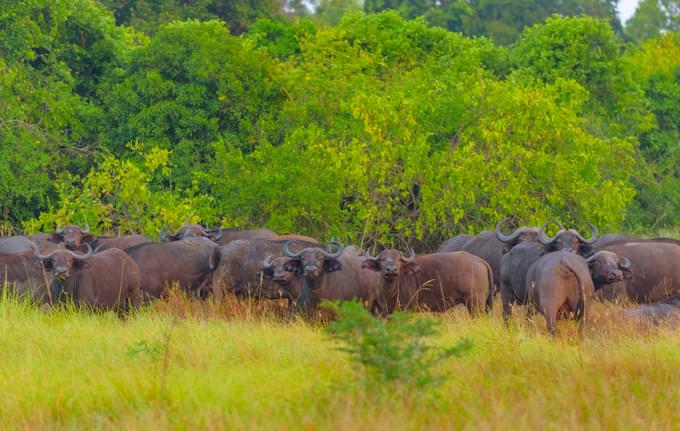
(508, 298)
(550, 314)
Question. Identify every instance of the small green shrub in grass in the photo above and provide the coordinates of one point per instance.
(396, 350)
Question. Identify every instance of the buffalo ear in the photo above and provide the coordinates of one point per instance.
(331, 265)
(80, 264)
(627, 272)
(44, 263)
(411, 268)
(371, 264)
(88, 238)
(56, 237)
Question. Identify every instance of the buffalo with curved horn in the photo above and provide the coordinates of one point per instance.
(216, 234)
(568, 239)
(109, 280)
(435, 282)
(314, 274)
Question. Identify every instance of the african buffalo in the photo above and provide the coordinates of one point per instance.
(21, 244)
(569, 240)
(433, 281)
(666, 311)
(561, 281)
(122, 242)
(314, 274)
(515, 263)
(109, 280)
(217, 234)
(74, 238)
(240, 269)
(25, 274)
(491, 246)
(656, 270)
(189, 263)
(454, 244)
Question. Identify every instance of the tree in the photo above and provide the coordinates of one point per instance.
(588, 51)
(652, 17)
(193, 85)
(149, 15)
(54, 55)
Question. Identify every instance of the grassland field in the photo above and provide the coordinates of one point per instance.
(188, 365)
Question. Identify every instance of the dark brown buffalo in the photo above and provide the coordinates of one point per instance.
(74, 238)
(569, 240)
(25, 274)
(232, 234)
(109, 280)
(433, 281)
(560, 282)
(192, 231)
(454, 244)
(302, 238)
(21, 244)
(664, 312)
(491, 246)
(122, 242)
(187, 263)
(521, 250)
(314, 274)
(240, 269)
(656, 270)
(217, 234)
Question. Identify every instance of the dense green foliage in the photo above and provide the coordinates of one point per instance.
(374, 126)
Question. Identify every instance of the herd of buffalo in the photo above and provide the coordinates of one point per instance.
(554, 275)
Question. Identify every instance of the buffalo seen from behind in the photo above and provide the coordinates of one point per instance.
(560, 282)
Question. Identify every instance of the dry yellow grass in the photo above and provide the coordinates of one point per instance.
(190, 365)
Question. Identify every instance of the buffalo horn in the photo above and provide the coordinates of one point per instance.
(411, 257)
(593, 237)
(164, 234)
(288, 253)
(507, 238)
(542, 238)
(338, 252)
(86, 229)
(59, 230)
(82, 256)
(218, 233)
(625, 263)
(268, 262)
(36, 252)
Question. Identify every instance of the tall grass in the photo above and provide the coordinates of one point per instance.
(187, 365)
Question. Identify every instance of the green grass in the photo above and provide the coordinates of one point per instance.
(199, 366)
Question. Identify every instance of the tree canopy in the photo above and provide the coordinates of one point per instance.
(388, 126)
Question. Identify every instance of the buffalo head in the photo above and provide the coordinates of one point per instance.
(62, 262)
(567, 239)
(519, 235)
(607, 267)
(282, 270)
(73, 236)
(311, 262)
(391, 263)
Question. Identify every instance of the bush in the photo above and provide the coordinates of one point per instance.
(392, 351)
